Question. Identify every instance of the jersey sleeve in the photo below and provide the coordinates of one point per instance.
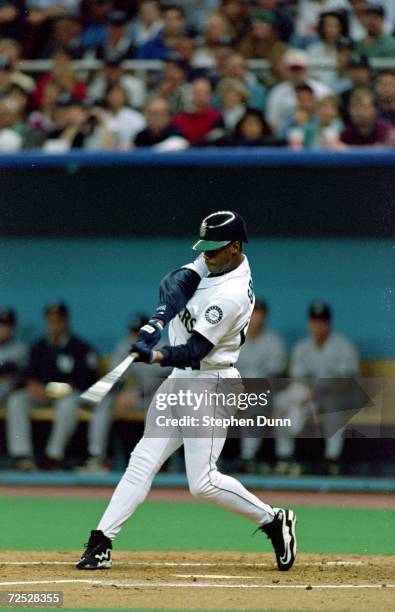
(199, 266)
(177, 288)
(218, 319)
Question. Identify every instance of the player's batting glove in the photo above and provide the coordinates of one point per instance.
(144, 352)
(150, 333)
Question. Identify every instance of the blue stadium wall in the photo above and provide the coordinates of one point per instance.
(105, 280)
(99, 231)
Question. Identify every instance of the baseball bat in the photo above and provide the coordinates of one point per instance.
(99, 389)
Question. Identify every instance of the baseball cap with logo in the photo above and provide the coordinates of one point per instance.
(7, 316)
(320, 310)
(219, 229)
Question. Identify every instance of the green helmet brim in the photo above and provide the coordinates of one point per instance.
(209, 245)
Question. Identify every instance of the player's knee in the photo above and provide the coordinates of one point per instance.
(16, 401)
(200, 488)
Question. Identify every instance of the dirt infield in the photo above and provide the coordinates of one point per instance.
(207, 580)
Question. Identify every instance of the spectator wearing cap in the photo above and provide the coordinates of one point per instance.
(165, 42)
(127, 396)
(113, 73)
(237, 12)
(218, 32)
(197, 124)
(307, 17)
(376, 42)
(360, 76)
(332, 26)
(13, 353)
(358, 18)
(174, 85)
(64, 75)
(253, 131)
(385, 95)
(60, 356)
(235, 67)
(94, 31)
(123, 122)
(233, 97)
(342, 81)
(317, 362)
(148, 23)
(365, 127)
(11, 50)
(263, 355)
(118, 44)
(284, 17)
(282, 100)
(160, 133)
(262, 41)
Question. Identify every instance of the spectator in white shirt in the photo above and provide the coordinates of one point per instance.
(331, 27)
(123, 122)
(114, 73)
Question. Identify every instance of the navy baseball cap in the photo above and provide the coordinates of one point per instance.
(219, 229)
(320, 310)
(59, 308)
(7, 316)
(374, 9)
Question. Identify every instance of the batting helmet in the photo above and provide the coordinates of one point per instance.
(219, 229)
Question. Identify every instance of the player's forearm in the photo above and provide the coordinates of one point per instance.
(185, 355)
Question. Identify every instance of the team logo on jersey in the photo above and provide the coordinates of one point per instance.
(213, 314)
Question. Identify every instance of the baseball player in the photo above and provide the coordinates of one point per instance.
(208, 305)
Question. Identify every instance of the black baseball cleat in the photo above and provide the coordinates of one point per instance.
(97, 554)
(281, 532)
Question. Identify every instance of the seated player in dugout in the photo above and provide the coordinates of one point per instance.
(13, 353)
(62, 357)
(208, 305)
(125, 397)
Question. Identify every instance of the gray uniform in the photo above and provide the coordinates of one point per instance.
(100, 424)
(261, 357)
(13, 358)
(337, 358)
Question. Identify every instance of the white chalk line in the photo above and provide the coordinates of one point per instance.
(152, 585)
(190, 563)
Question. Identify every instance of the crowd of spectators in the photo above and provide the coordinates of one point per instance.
(321, 86)
(315, 364)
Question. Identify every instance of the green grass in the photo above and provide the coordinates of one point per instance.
(63, 524)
